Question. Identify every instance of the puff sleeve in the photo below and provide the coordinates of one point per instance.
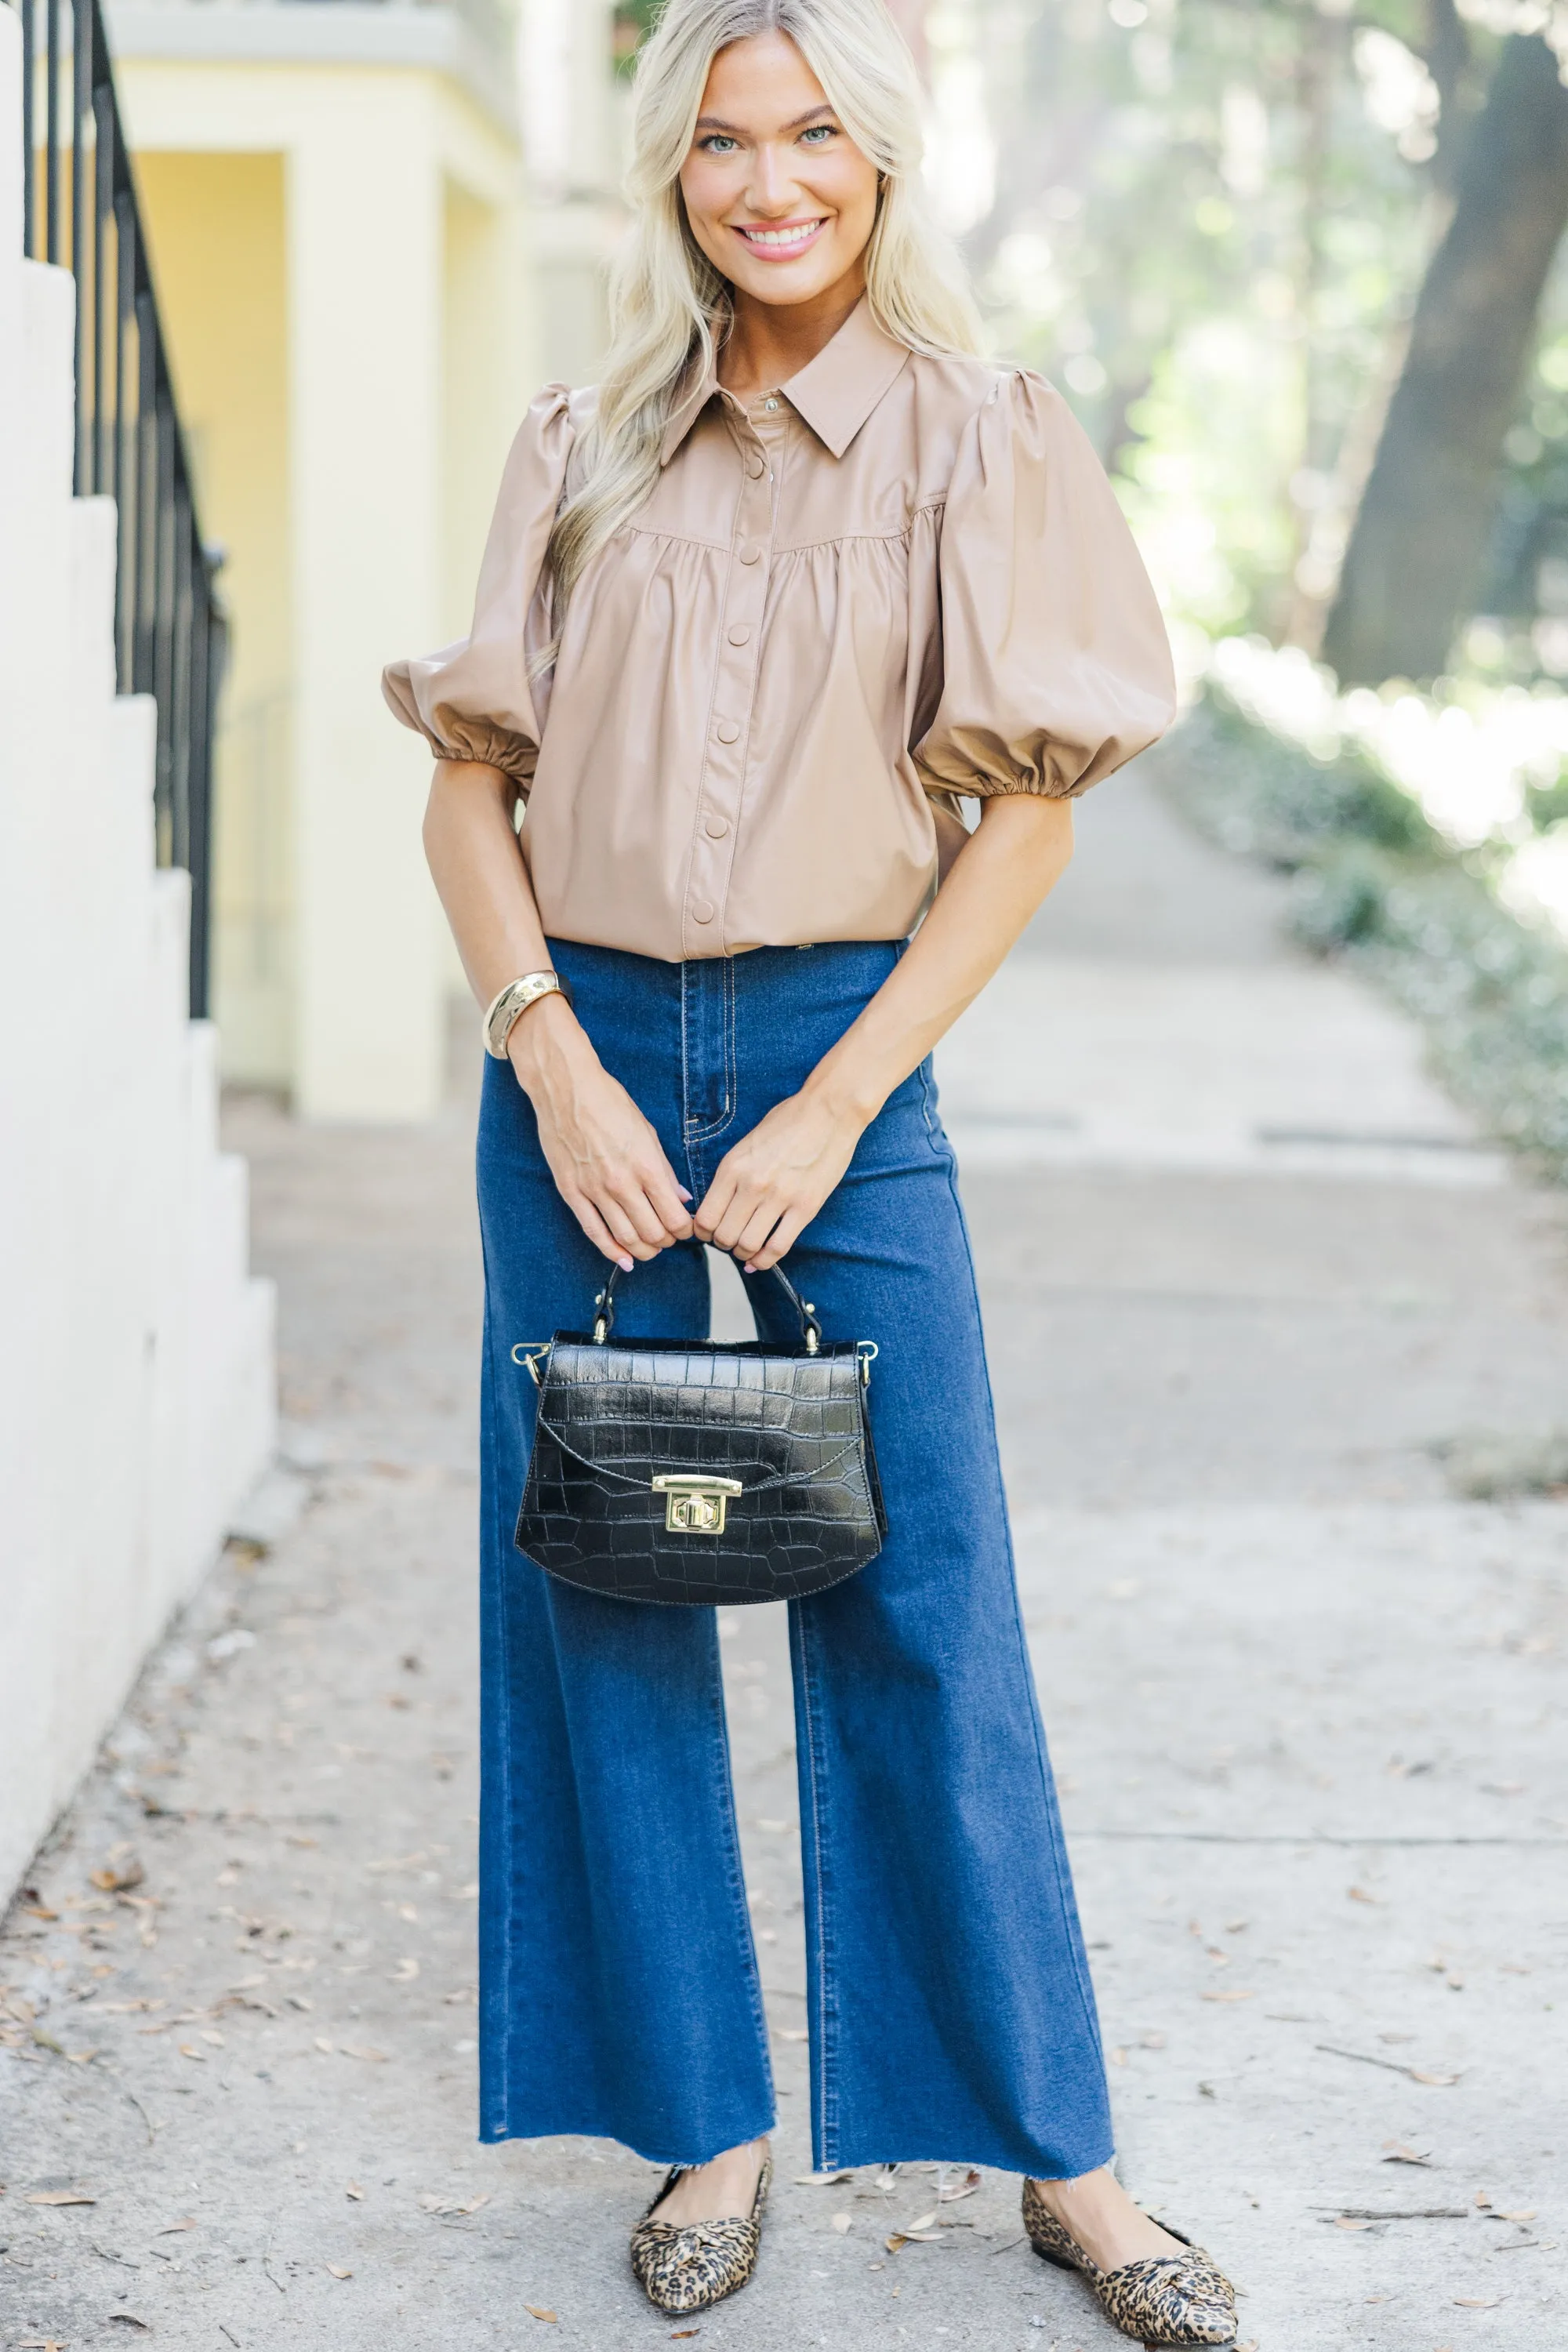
(474, 700)
(1055, 666)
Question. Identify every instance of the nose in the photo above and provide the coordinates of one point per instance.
(773, 188)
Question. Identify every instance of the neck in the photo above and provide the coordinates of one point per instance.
(770, 341)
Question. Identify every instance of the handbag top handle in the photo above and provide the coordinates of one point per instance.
(810, 1328)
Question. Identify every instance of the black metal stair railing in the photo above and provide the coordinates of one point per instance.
(80, 209)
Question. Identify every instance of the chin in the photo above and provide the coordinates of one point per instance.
(782, 288)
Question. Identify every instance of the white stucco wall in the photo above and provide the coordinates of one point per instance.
(136, 1380)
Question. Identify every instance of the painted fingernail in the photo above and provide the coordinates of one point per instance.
(625, 1263)
(683, 1193)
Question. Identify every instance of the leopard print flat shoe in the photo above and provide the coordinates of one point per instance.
(1163, 2299)
(685, 2267)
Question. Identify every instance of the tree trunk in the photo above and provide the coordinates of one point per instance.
(1417, 553)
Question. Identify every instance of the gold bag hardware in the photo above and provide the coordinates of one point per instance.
(695, 1505)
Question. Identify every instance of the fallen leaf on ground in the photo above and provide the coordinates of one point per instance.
(335, 2269)
(189, 2050)
(373, 2057)
(1153, 2040)
(60, 2197)
(1118, 2057)
(1406, 2155)
(677, 2335)
(843, 2222)
(964, 2188)
(1236, 1995)
(406, 1972)
(129, 2320)
(118, 1878)
(1480, 2302)
(821, 2179)
(355, 2191)
(451, 2205)
(174, 2228)
(926, 2221)
(1437, 2082)
(1521, 2214)
(1343, 2221)
(1359, 1895)
(538, 2311)
(324, 2045)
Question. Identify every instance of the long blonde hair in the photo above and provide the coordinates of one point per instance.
(671, 308)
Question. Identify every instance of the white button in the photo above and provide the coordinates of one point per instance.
(769, 404)
(715, 827)
(750, 553)
(702, 909)
(727, 731)
(740, 634)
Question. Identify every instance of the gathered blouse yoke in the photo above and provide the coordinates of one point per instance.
(894, 579)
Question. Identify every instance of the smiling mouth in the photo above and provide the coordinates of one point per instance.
(781, 243)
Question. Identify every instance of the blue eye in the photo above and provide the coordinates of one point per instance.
(718, 143)
(821, 132)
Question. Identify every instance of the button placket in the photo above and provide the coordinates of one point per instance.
(735, 692)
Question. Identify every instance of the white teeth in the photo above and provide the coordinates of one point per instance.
(781, 236)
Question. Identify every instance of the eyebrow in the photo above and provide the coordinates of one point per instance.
(717, 122)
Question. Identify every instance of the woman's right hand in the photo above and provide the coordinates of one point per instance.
(608, 1164)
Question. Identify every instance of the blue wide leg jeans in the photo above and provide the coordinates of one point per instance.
(950, 2008)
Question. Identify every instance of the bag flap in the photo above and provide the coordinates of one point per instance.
(632, 1413)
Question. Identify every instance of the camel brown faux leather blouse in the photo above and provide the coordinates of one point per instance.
(894, 577)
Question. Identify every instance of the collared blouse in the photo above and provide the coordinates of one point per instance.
(893, 580)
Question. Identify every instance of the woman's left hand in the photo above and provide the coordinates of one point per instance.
(769, 1186)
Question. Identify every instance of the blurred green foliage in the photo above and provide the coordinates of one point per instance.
(631, 24)
(1210, 221)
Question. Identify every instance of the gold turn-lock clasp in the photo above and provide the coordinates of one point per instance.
(695, 1505)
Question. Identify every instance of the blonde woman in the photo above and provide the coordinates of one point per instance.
(801, 573)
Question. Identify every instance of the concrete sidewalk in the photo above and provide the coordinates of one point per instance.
(1244, 1270)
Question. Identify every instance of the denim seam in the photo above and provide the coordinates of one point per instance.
(716, 1128)
(694, 1163)
(825, 2052)
(509, 1939)
(1060, 1877)
(734, 1867)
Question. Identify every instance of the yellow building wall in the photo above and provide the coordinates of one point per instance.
(344, 264)
(217, 224)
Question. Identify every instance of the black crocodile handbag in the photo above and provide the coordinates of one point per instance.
(700, 1472)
